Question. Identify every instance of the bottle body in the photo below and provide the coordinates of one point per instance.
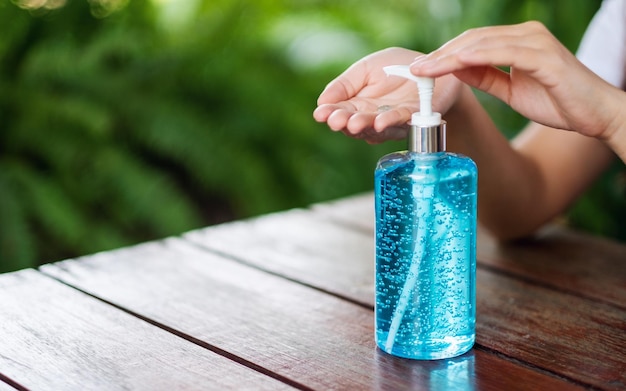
(425, 254)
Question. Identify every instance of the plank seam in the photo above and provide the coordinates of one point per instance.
(251, 265)
(493, 269)
(230, 356)
(546, 285)
(489, 350)
(267, 372)
(12, 383)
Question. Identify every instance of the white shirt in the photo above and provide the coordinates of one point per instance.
(603, 47)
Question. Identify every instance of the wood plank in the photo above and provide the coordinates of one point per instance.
(584, 265)
(291, 329)
(301, 245)
(57, 338)
(281, 238)
(356, 211)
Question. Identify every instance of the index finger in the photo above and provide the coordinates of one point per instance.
(475, 35)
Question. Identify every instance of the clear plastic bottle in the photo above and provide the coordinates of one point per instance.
(425, 245)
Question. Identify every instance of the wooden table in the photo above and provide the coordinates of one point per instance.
(285, 301)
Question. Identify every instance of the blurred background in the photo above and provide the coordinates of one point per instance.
(123, 121)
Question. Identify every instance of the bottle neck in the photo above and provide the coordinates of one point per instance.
(427, 139)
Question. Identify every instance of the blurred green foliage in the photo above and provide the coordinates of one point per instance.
(128, 120)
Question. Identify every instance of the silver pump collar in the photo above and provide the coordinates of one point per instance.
(427, 139)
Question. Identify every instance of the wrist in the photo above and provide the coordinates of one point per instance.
(615, 133)
(471, 127)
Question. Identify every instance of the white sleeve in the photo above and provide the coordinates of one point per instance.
(603, 47)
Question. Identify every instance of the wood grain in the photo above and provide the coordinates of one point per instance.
(289, 328)
(301, 245)
(582, 265)
(57, 338)
(563, 259)
(550, 313)
(585, 358)
(356, 211)
(561, 333)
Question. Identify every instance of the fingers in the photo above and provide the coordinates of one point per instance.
(354, 122)
(336, 115)
(398, 117)
(324, 111)
(357, 101)
(335, 105)
(488, 79)
(475, 55)
(493, 50)
(364, 73)
(344, 117)
(473, 37)
(359, 123)
(340, 120)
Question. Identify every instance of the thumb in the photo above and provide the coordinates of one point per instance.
(345, 86)
(488, 79)
(336, 91)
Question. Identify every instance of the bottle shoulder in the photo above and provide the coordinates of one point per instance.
(445, 163)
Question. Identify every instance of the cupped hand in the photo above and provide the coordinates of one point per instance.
(545, 82)
(363, 102)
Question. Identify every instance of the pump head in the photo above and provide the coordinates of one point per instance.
(427, 129)
(425, 87)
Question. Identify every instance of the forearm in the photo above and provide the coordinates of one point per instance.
(511, 185)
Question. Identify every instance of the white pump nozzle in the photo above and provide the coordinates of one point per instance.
(425, 85)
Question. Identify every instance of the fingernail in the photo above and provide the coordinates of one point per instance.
(422, 64)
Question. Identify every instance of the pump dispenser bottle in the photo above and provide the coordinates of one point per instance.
(425, 241)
